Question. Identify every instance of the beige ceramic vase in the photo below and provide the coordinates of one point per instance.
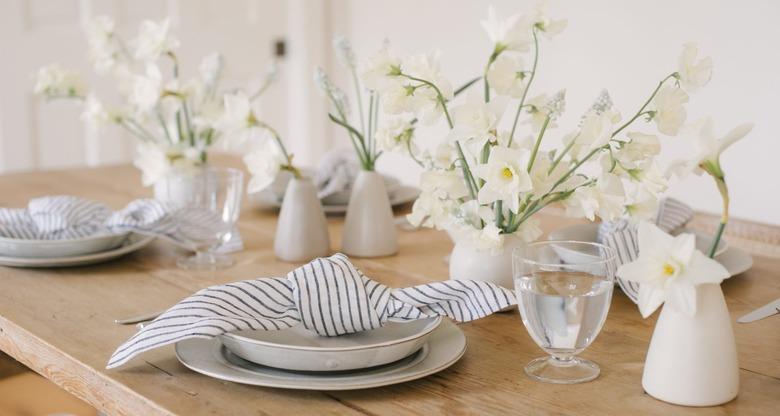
(369, 229)
(302, 230)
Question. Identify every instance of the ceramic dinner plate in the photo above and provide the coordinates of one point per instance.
(299, 349)
(208, 356)
(267, 199)
(15, 247)
(132, 243)
(734, 259)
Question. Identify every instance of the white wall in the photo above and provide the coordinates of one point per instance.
(625, 47)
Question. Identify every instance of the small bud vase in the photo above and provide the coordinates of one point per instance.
(369, 229)
(469, 263)
(302, 230)
(692, 360)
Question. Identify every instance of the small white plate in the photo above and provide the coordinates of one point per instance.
(132, 243)
(15, 247)
(208, 356)
(269, 200)
(299, 349)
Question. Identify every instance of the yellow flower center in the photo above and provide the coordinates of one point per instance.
(507, 173)
(668, 269)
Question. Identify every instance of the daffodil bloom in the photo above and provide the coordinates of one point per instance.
(505, 177)
(264, 162)
(693, 74)
(708, 148)
(668, 269)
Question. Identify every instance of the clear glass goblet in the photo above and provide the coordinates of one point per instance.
(205, 204)
(564, 289)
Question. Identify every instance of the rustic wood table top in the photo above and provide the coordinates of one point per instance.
(59, 322)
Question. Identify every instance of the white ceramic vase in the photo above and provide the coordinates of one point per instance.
(302, 230)
(468, 263)
(692, 360)
(369, 229)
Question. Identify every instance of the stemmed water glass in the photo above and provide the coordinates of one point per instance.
(205, 205)
(563, 289)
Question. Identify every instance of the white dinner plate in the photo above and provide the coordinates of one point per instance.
(299, 349)
(16, 247)
(132, 243)
(269, 200)
(445, 346)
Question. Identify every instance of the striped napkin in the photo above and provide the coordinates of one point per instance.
(68, 217)
(621, 235)
(328, 296)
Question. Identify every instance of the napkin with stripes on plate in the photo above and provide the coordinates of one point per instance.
(621, 235)
(65, 217)
(328, 296)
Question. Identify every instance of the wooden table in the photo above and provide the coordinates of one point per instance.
(59, 322)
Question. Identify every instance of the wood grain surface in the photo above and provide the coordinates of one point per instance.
(59, 322)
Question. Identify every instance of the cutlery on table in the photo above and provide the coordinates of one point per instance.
(771, 308)
(139, 318)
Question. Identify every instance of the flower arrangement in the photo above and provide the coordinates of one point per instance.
(176, 119)
(489, 176)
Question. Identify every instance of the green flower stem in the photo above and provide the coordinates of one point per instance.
(260, 90)
(642, 109)
(527, 86)
(559, 158)
(287, 156)
(163, 125)
(134, 131)
(439, 96)
(468, 177)
(357, 141)
(411, 154)
(143, 132)
(187, 121)
(535, 150)
(369, 134)
(724, 219)
(360, 102)
(496, 51)
(465, 86)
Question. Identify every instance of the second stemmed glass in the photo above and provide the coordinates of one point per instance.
(205, 205)
(563, 289)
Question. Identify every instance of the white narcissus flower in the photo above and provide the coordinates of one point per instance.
(395, 135)
(507, 34)
(381, 71)
(668, 269)
(94, 114)
(153, 40)
(264, 162)
(507, 76)
(668, 111)
(146, 90)
(239, 119)
(505, 177)
(693, 74)
(708, 148)
(103, 49)
(152, 160)
(55, 81)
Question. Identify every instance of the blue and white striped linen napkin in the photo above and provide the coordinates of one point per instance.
(68, 217)
(329, 296)
(621, 235)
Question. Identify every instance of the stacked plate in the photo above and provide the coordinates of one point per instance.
(296, 358)
(333, 204)
(72, 252)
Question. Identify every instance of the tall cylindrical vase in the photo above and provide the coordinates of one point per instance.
(369, 229)
(302, 230)
(692, 360)
(469, 263)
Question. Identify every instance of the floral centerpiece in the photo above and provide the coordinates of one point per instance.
(177, 118)
(486, 180)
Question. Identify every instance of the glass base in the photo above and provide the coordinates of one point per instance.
(205, 261)
(559, 371)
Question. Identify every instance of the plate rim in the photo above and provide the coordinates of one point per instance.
(405, 375)
(143, 240)
(429, 329)
(10, 240)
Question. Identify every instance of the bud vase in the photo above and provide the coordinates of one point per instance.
(302, 230)
(469, 263)
(692, 360)
(369, 229)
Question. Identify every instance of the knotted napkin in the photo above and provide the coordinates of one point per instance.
(621, 236)
(68, 217)
(328, 296)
